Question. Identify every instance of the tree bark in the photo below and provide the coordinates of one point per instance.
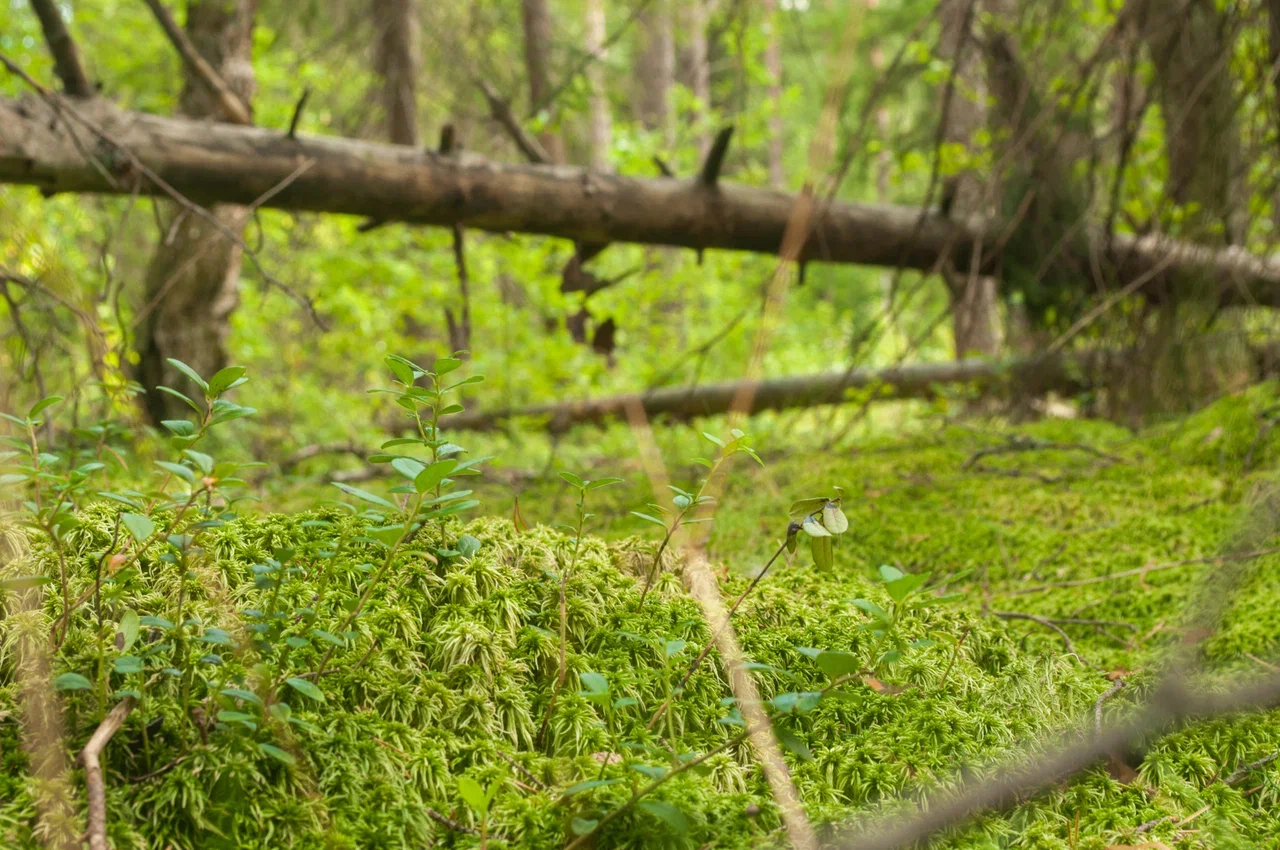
(396, 62)
(192, 282)
(974, 297)
(699, 67)
(600, 117)
(1191, 51)
(656, 70)
(216, 163)
(773, 65)
(537, 49)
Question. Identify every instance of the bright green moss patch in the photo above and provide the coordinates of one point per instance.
(449, 668)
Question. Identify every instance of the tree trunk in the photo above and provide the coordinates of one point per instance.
(974, 297)
(656, 69)
(600, 118)
(1191, 52)
(396, 62)
(773, 65)
(537, 49)
(217, 163)
(698, 68)
(192, 282)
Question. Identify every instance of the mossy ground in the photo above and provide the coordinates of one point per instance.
(465, 656)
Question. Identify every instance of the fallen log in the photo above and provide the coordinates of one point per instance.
(93, 146)
(1027, 378)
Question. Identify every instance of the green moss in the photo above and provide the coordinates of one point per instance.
(453, 665)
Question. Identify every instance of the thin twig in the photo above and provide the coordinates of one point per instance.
(233, 107)
(1115, 688)
(94, 787)
(1080, 582)
(1047, 623)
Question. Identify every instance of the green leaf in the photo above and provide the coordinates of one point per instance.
(241, 693)
(871, 608)
(823, 554)
(307, 689)
(589, 785)
(797, 703)
(189, 372)
(218, 637)
(408, 467)
(833, 519)
(719, 442)
(327, 637)
(129, 625)
(72, 682)
(653, 771)
(582, 826)
(595, 686)
(12, 478)
(364, 495)
(813, 528)
(834, 664)
(900, 588)
(42, 404)
(202, 461)
(225, 379)
(888, 573)
(278, 754)
(602, 482)
(648, 518)
(238, 717)
(572, 479)
(182, 397)
(473, 795)
(468, 545)
(156, 622)
(127, 664)
(792, 742)
(803, 508)
(139, 526)
(674, 647)
(26, 582)
(430, 476)
(387, 535)
(183, 472)
(401, 368)
(445, 365)
(180, 427)
(668, 813)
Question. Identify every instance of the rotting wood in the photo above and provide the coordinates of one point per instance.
(218, 163)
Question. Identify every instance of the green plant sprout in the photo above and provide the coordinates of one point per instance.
(684, 502)
(429, 495)
(822, 521)
(480, 799)
(583, 487)
(907, 594)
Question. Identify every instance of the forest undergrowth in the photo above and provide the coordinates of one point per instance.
(386, 673)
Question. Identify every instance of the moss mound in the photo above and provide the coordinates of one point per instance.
(448, 670)
(449, 674)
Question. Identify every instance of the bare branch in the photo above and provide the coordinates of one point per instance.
(66, 58)
(93, 781)
(233, 107)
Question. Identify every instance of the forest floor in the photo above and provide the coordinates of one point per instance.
(1104, 536)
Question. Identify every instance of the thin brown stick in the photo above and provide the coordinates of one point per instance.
(1080, 582)
(97, 793)
(1047, 623)
(233, 108)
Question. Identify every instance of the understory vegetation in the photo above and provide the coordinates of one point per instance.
(381, 671)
